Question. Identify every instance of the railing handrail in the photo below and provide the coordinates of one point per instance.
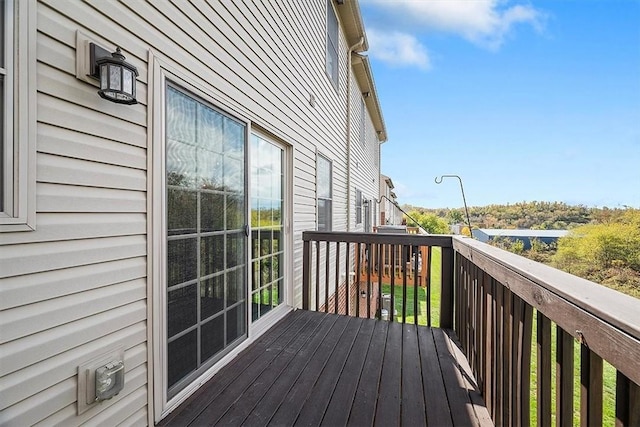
(604, 319)
(441, 240)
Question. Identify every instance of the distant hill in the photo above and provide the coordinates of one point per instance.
(533, 215)
(605, 248)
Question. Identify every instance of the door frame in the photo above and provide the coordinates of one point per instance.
(161, 70)
(157, 246)
(265, 322)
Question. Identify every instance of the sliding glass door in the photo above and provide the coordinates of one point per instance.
(206, 240)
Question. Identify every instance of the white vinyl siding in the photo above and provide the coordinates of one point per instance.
(363, 123)
(81, 284)
(365, 160)
(76, 286)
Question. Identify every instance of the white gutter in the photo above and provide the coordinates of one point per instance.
(348, 130)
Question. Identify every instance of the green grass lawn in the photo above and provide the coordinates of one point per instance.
(436, 273)
(608, 379)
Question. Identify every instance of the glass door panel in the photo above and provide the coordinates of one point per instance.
(206, 241)
(267, 227)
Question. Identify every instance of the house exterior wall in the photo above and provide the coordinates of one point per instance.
(390, 214)
(81, 284)
(365, 169)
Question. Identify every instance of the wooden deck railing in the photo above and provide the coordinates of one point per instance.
(500, 305)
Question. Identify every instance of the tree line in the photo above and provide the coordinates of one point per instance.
(603, 244)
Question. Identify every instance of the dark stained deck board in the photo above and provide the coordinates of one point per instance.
(337, 412)
(413, 409)
(388, 407)
(436, 403)
(326, 369)
(314, 409)
(237, 389)
(363, 410)
(272, 400)
(289, 409)
(242, 408)
(208, 393)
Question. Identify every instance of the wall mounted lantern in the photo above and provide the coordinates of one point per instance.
(117, 77)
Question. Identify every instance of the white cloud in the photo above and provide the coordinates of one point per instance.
(483, 22)
(397, 48)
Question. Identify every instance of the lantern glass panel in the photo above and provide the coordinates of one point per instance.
(115, 77)
(103, 77)
(127, 81)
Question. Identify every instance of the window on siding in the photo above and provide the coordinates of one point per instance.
(332, 44)
(358, 207)
(325, 202)
(17, 147)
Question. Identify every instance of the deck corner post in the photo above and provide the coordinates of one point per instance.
(306, 273)
(446, 301)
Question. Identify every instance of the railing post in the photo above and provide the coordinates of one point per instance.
(446, 300)
(306, 274)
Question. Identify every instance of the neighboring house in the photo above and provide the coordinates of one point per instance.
(390, 214)
(167, 234)
(525, 236)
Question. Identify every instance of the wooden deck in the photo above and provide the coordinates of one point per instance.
(314, 368)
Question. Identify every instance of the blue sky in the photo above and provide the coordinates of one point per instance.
(526, 101)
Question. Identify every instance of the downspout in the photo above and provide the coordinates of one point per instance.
(348, 129)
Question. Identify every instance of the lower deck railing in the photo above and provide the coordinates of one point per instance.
(545, 346)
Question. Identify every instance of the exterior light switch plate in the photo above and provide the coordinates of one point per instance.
(110, 363)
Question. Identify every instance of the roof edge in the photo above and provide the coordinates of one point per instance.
(364, 76)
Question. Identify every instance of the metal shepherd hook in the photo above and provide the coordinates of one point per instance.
(464, 200)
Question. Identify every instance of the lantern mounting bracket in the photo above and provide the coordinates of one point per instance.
(96, 52)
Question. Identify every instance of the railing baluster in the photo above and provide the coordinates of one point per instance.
(326, 277)
(306, 274)
(337, 291)
(489, 342)
(499, 354)
(476, 319)
(393, 249)
(369, 258)
(516, 361)
(380, 269)
(357, 266)
(317, 275)
(544, 369)
(347, 274)
(627, 401)
(416, 311)
(426, 263)
(507, 318)
(446, 293)
(404, 284)
(480, 329)
(525, 368)
(590, 387)
(564, 377)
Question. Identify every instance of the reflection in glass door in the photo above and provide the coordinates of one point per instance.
(206, 241)
(267, 231)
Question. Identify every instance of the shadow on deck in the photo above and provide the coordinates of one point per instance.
(315, 368)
